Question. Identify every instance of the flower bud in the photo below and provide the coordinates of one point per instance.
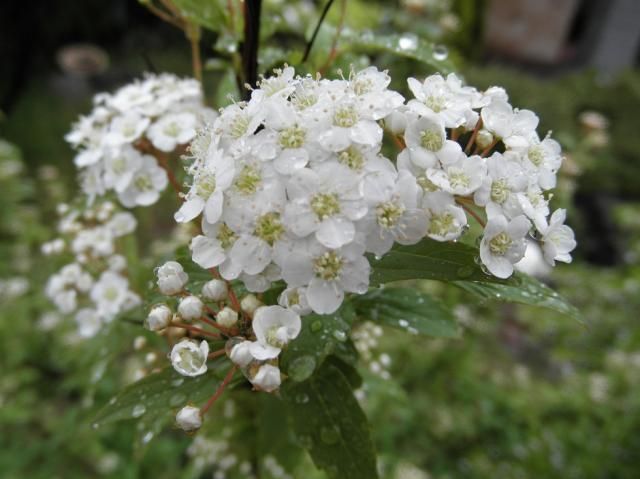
(171, 278)
(267, 378)
(190, 308)
(396, 122)
(227, 317)
(249, 304)
(215, 290)
(158, 318)
(241, 354)
(190, 359)
(189, 419)
(484, 138)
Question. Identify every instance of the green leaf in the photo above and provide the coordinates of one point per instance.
(159, 395)
(522, 289)
(206, 13)
(330, 424)
(409, 310)
(429, 259)
(406, 45)
(320, 336)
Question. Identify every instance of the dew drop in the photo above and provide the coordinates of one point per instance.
(340, 335)
(302, 398)
(138, 410)
(95, 425)
(147, 437)
(403, 323)
(316, 326)
(440, 52)
(408, 42)
(301, 368)
(177, 382)
(177, 400)
(464, 271)
(329, 435)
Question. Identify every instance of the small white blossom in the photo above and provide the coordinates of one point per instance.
(190, 308)
(241, 355)
(503, 244)
(267, 378)
(189, 419)
(171, 278)
(215, 290)
(190, 358)
(227, 317)
(274, 327)
(158, 318)
(558, 239)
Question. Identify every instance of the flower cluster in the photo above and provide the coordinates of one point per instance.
(256, 333)
(121, 142)
(293, 184)
(94, 285)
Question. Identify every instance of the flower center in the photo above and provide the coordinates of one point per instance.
(226, 236)
(536, 155)
(328, 266)
(389, 213)
(458, 178)
(362, 86)
(172, 129)
(426, 184)
(119, 165)
(500, 244)
(436, 103)
(205, 184)
(269, 227)
(352, 158)
(239, 125)
(431, 140)
(292, 137)
(110, 294)
(345, 117)
(325, 205)
(248, 180)
(143, 183)
(500, 191)
(129, 129)
(189, 360)
(442, 224)
(276, 336)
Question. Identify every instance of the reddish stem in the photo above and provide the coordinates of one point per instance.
(486, 151)
(195, 330)
(472, 139)
(216, 354)
(220, 390)
(474, 214)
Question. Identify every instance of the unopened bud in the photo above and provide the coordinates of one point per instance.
(190, 308)
(227, 317)
(484, 138)
(249, 304)
(189, 419)
(215, 290)
(158, 318)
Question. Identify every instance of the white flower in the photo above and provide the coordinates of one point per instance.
(109, 294)
(215, 290)
(120, 164)
(172, 129)
(267, 378)
(325, 201)
(211, 177)
(327, 273)
(503, 244)
(189, 419)
(505, 178)
(274, 327)
(543, 160)
(190, 359)
(126, 129)
(558, 239)
(398, 217)
(427, 142)
(227, 317)
(171, 278)
(295, 299)
(88, 321)
(241, 355)
(122, 223)
(513, 126)
(447, 220)
(250, 303)
(190, 308)
(461, 177)
(146, 185)
(158, 318)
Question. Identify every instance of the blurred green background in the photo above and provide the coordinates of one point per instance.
(524, 393)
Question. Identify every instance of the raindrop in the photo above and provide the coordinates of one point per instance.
(329, 435)
(177, 382)
(301, 368)
(403, 323)
(316, 326)
(302, 398)
(464, 271)
(177, 400)
(147, 437)
(138, 410)
(340, 335)
(113, 400)
(95, 425)
(440, 52)
(408, 42)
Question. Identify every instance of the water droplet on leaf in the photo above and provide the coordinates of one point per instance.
(138, 410)
(408, 42)
(301, 368)
(440, 52)
(316, 326)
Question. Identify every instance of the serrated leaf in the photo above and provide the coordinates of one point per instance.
(406, 45)
(522, 289)
(330, 424)
(409, 310)
(159, 395)
(429, 259)
(320, 336)
(206, 13)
